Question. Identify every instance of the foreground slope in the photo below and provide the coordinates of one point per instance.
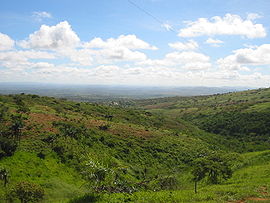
(249, 183)
(82, 152)
(71, 148)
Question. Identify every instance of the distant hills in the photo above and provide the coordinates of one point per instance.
(101, 93)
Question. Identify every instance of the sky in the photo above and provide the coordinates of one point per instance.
(136, 42)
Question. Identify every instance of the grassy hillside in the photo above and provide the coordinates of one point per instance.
(240, 117)
(71, 148)
(249, 183)
(82, 152)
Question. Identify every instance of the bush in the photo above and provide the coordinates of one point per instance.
(7, 147)
(168, 183)
(104, 127)
(28, 192)
(87, 198)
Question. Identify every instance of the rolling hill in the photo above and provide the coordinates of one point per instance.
(83, 152)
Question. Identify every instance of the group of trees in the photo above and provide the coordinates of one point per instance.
(237, 124)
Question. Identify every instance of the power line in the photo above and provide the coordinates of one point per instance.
(166, 26)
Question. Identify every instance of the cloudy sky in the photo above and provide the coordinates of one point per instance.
(136, 42)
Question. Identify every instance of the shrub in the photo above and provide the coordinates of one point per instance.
(7, 147)
(104, 127)
(4, 175)
(28, 192)
(168, 183)
(87, 198)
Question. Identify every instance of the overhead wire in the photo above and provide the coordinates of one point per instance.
(169, 28)
(151, 15)
(159, 21)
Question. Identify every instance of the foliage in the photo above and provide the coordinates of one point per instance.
(214, 166)
(241, 118)
(16, 126)
(254, 124)
(70, 129)
(7, 146)
(4, 175)
(28, 192)
(125, 154)
(168, 183)
(87, 198)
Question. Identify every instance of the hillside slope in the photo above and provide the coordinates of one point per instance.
(240, 117)
(82, 152)
(69, 148)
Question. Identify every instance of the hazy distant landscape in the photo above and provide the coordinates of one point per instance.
(106, 93)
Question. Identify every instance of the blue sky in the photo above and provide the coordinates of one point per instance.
(136, 42)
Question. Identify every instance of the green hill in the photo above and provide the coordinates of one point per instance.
(240, 117)
(83, 152)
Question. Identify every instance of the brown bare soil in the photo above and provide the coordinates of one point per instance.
(41, 122)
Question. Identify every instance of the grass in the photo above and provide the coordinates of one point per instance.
(60, 182)
(250, 182)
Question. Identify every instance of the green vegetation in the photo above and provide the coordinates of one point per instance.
(242, 118)
(28, 192)
(56, 150)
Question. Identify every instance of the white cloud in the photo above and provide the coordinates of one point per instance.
(118, 54)
(6, 42)
(42, 65)
(112, 74)
(25, 55)
(253, 16)
(182, 60)
(106, 71)
(118, 49)
(167, 26)
(127, 41)
(88, 57)
(228, 25)
(242, 58)
(190, 45)
(186, 57)
(120, 61)
(40, 15)
(214, 42)
(20, 60)
(60, 36)
(83, 57)
(65, 42)
(195, 66)
(254, 56)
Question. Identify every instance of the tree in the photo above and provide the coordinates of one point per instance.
(69, 129)
(28, 192)
(17, 125)
(7, 146)
(214, 166)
